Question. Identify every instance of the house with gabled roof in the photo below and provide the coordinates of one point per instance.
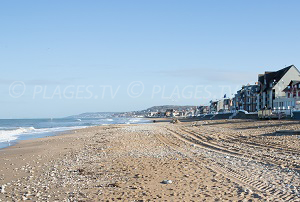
(272, 84)
(291, 100)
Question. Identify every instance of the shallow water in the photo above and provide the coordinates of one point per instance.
(14, 130)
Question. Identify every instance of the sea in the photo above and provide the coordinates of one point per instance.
(14, 130)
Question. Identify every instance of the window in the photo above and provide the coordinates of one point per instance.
(294, 94)
(289, 95)
(298, 93)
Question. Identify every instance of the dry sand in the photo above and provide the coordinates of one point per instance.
(234, 160)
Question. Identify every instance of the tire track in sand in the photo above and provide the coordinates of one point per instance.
(260, 186)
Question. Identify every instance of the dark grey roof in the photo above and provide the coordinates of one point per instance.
(292, 84)
(273, 77)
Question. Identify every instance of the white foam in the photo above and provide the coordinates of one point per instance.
(10, 135)
(14, 134)
(135, 120)
(138, 120)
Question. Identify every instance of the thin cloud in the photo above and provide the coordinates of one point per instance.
(5, 81)
(64, 81)
(211, 75)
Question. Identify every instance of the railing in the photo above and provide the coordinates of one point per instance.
(275, 113)
(285, 111)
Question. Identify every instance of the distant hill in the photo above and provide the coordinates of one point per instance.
(93, 115)
(162, 108)
(165, 107)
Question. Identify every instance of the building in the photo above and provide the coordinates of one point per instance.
(237, 100)
(249, 97)
(227, 104)
(223, 105)
(152, 114)
(246, 98)
(213, 106)
(169, 113)
(272, 84)
(291, 99)
(203, 110)
(220, 105)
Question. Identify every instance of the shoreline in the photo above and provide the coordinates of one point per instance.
(50, 134)
(39, 136)
(45, 146)
(40, 146)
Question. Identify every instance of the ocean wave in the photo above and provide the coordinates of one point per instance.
(42, 128)
(8, 135)
(108, 120)
(134, 120)
(138, 120)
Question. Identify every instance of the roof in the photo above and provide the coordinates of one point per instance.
(292, 83)
(279, 74)
(252, 88)
(273, 77)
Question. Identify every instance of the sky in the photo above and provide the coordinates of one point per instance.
(60, 58)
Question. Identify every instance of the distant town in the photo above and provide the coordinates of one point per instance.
(275, 94)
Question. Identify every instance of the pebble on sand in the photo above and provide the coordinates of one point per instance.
(2, 189)
(167, 182)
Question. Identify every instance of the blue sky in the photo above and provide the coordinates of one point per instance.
(174, 48)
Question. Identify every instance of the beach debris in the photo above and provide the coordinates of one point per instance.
(167, 182)
(115, 184)
(175, 121)
(138, 176)
(2, 189)
(80, 170)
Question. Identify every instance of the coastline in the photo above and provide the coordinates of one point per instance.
(38, 136)
(29, 151)
(130, 162)
(29, 136)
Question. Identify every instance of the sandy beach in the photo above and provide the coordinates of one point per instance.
(224, 160)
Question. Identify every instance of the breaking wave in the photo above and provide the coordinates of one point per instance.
(10, 134)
